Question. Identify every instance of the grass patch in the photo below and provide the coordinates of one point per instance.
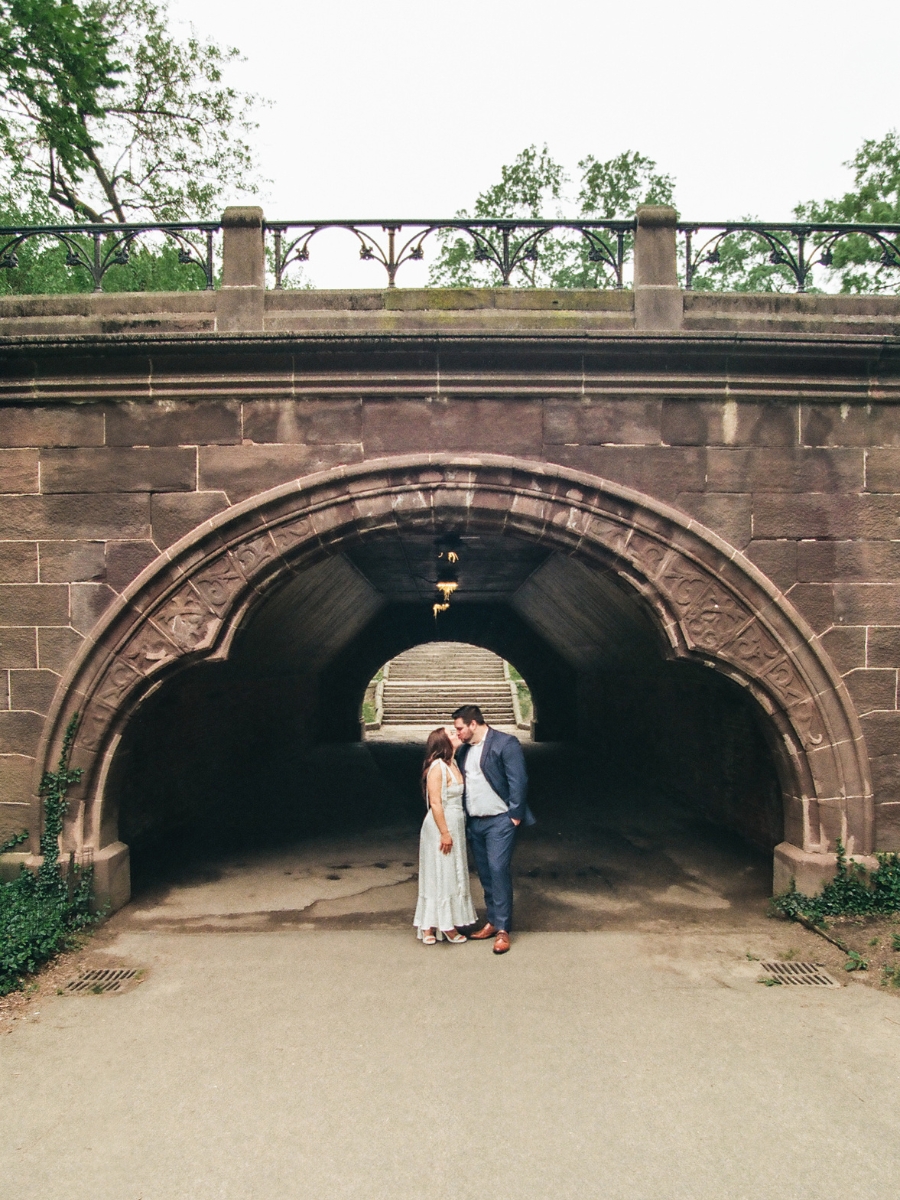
(42, 912)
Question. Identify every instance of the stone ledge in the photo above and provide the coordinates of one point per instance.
(810, 872)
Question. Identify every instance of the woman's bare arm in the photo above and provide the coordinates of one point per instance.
(435, 781)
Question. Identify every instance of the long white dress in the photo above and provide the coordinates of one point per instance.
(444, 896)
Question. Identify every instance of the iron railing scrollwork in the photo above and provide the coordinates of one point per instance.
(96, 248)
(507, 245)
(799, 247)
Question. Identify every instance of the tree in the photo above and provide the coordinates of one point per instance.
(55, 66)
(166, 140)
(858, 262)
(535, 186)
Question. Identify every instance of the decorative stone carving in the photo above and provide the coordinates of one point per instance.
(254, 555)
(219, 583)
(189, 622)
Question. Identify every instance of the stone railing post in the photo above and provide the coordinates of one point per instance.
(240, 303)
(658, 302)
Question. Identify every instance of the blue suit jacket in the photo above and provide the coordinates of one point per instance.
(503, 765)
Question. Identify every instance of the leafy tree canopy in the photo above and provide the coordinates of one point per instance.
(165, 139)
(536, 186)
(55, 72)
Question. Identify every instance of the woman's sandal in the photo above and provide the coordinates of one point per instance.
(428, 939)
(454, 936)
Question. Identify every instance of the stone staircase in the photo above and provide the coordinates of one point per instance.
(424, 685)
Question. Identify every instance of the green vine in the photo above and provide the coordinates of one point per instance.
(42, 912)
(854, 892)
(16, 840)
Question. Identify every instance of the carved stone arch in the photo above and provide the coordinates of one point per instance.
(712, 604)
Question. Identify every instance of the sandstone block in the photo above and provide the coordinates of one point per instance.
(810, 872)
(305, 422)
(175, 514)
(126, 560)
(815, 602)
(71, 562)
(20, 732)
(14, 818)
(18, 562)
(883, 647)
(176, 423)
(119, 469)
(19, 471)
(75, 517)
(867, 603)
(52, 426)
(872, 690)
(32, 690)
(243, 471)
(719, 422)
(34, 604)
(601, 421)
(660, 471)
(883, 471)
(787, 469)
(57, 648)
(882, 733)
(490, 426)
(887, 827)
(112, 877)
(726, 513)
(777, 560)
(823, 516)
(850, 425)
(89, 602)
(885, 778)
(846, 647)
(18, 648)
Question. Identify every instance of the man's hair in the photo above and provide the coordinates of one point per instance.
(469, 713)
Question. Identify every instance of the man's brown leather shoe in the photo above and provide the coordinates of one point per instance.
(501, 942)
(483, 934)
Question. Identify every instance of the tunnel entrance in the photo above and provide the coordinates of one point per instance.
(265, 751)
(224, 693)
(420, 688)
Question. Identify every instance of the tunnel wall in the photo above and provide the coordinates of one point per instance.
(692, 737)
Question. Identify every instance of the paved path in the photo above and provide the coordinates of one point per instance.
(342, 1065)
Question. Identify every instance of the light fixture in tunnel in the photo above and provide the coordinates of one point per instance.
(447, 588)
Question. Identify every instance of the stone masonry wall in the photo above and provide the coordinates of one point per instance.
(92, 493)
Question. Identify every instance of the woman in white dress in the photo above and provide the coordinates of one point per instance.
(444, 897)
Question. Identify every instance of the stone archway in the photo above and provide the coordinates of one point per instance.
(711, 603)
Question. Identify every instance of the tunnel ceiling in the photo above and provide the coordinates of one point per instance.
(588, 618)
(492, 567)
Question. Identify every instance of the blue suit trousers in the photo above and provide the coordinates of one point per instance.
(493, 840)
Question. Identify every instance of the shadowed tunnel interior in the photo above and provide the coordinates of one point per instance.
(266, 746)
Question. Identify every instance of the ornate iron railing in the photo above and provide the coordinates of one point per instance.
(791, 252)
(96, 248)
(506, 245)
(797, 247)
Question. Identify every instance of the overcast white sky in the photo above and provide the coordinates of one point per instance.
(396, 108)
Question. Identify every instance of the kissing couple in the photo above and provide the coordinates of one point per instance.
(475, 783)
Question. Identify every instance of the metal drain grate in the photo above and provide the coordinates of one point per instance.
(807, 974)
(103, 979)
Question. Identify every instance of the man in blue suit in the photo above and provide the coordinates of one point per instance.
(495, 785)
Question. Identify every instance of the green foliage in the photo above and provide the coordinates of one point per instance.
(875, 199)
(890, 976)
(16, 840)
(55, 67)
(153, 266)
(41, 913)
(855, 962)
(743, 263)
(534, 186)
(895, 941)
(854, 891)
(165, 141)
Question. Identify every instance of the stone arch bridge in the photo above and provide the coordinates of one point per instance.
(679, 513)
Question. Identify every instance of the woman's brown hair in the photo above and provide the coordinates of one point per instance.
(437, 746)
